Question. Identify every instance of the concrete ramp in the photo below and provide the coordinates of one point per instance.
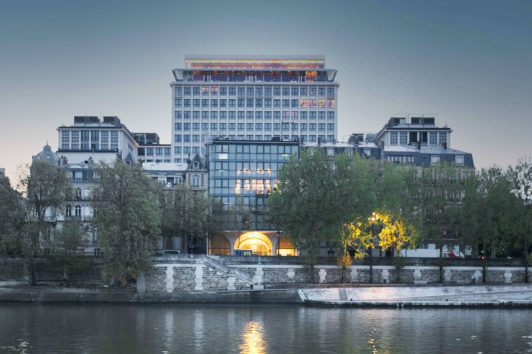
(518, 295)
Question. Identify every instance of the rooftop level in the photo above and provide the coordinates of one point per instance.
(255, 62)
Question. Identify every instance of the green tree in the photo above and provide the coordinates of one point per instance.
(190, 214)
(127, 219)
(46, 188)
(307, 203)
(11, 218)
(67, 249)
(521, 179)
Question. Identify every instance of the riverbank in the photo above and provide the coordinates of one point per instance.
(518, 295)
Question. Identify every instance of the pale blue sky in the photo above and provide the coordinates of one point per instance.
(468, 62)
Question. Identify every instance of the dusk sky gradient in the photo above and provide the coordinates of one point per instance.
(469, 63)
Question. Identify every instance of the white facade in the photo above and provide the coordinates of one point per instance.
(252, 98)
(101, 140)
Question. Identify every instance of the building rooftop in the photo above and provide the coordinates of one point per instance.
(255, 62)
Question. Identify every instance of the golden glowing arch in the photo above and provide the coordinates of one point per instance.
(255, 241)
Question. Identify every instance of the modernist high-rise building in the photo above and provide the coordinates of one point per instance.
(252, 98)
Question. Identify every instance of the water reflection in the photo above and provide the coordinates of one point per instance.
(253, 339)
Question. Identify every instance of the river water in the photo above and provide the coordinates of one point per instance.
(169, 328)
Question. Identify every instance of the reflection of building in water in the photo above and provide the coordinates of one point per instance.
(253, 341)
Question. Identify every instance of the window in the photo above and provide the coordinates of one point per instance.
(177, 149)
(179, 91)
(241, 114)
(214, 90)
(241, 91)
(214, 103)
(312, 127)
(240, 102)
(276, 126)
(223, 126)
(321, 91)
(240, 126)
(312, 91)
(249, 114)
(186, 138)
(195, 114)
(177, 127)
(186, 102)
(312, 103)
(258, 126)
(403, 136)
(433, 138)
(114, 140)
(223, 115)
(68, 211)
(268, 115)
(249, 126)
(321, 127)
(268, 92)
(286, 103)
(258, 115)
(459, 160)
(258, 91)
(177, 138)
(196, 102)
(186, 126)
(321, 103)
(186, 114)
(303, 127)
(195, 138)
(294, 114)
(232, 91)
(214, 126)
(303, 91)
(321, 115)
(186, 90)
(295, 91)
(276, 91)
(65, 139)
(443, 137)
(276, 115)
(330, 92)
(158, 151)
(393, 138)
(105, 140)
(434, 159)
(78, 211)
(232, 126)
(178, 102)
(214, 115)
(303, 115)
(232, 114)
(204, 90)
(330, 127)
(286, 114)
(258, 102)
(295, 103)
(312, 115)
(286, 91)
(295, 127)
(204, 126)
(178, 114)
(223, 103)
(232, 103)
(330, 102)
(286, 126)
(75, 140)
(205, 103)
(223, 90)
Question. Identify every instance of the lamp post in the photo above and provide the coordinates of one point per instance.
(372, 220)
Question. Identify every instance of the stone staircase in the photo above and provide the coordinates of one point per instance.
(222, 267)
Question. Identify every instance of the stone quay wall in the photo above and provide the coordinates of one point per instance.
(203, 273)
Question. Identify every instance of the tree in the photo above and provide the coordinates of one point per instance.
(307, 203)
(521, 179)
(67, 249)
(190, 214)
(127, 219)
(46, 188)
(11, 218)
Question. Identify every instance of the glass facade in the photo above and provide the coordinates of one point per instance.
(242, 173)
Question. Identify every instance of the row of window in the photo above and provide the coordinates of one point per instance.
(255, 76)
(196, 149)
(157, 151)
(404, 138)
(249, 126)
(89, 140)
(256, 103)
(254, 114)
(255, 91)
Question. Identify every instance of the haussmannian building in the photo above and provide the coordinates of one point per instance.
(251, 98)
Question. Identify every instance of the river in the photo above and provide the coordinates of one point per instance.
(168, 328)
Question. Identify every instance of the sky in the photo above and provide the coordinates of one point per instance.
(468, 63)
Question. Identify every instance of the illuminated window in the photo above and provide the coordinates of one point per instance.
(312, 103)
(204, 90)
(303, 103)
(330, 102)
(321, 103)
(214, 90)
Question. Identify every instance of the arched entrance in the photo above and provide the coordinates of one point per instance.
(219, 245)
(255, 241)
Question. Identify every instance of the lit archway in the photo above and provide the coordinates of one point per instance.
(219, 246)
(255, 241)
